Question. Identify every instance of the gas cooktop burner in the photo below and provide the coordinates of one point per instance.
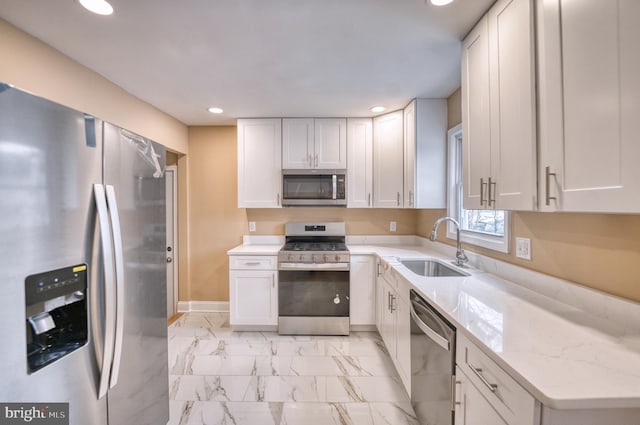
(315, 246)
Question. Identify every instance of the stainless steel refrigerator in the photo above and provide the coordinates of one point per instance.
(82, 265)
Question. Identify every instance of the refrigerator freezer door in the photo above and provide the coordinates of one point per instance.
(47, 168)
(141, 394)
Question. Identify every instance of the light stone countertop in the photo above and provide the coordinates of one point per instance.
(255, 250)
(566, 356)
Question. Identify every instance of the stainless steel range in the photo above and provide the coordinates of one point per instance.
(313, 276)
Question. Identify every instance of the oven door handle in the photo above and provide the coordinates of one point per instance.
(314, 266)
(433, 335)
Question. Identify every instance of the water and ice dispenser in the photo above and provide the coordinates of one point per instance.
(56, 311)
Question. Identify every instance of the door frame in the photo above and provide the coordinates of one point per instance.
(172, 211)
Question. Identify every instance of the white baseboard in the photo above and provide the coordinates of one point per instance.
(203, 306)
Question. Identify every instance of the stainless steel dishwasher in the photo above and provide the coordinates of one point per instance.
(433, 363)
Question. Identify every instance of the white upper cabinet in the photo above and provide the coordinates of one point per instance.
(476, 116)
(589, 94)
(425, 132)
(259, 163)
(309, 143)
(331, 143)
(388, 160)
(360, 163)
(498, 109)
(297, 143)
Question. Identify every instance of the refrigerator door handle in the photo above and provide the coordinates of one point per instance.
(109, 289)
(119, 263)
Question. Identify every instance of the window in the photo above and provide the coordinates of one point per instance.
(485, 228)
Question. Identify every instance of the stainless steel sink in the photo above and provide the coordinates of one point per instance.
(431, 268)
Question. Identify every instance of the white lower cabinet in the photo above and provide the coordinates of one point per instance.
(362, 290)
(471, 407)
(253, 292)
(486, 394)
(393, 320)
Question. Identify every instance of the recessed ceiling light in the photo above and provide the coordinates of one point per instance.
(377, 109)
(440, 2)
(215, 110)
(99, 7)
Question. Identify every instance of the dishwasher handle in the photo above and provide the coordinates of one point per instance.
(433, 335)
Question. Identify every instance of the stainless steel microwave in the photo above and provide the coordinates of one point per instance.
(314, 188)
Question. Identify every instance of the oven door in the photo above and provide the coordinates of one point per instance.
(312, 302)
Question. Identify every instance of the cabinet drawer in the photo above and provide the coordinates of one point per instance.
(253, 262)
(507, 397)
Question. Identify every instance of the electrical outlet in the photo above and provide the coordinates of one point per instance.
(392, 226)
(252, 226)
(523, 248)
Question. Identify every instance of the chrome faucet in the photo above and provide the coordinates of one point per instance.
(461, 257)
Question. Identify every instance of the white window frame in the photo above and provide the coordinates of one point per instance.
(454, 200)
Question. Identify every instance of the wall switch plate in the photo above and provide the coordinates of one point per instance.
(392, 226)
(523, 248)
(252, 226)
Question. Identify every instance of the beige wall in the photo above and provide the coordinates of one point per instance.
(358, 221)
(597, 250)
(216, 224)
(31, 65)
(601, 251)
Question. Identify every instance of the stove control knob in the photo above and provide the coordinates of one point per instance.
(290, 257)
(337, 258)
(326, 258)
(301, 257)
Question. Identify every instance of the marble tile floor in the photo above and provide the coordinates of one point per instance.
(261, 378)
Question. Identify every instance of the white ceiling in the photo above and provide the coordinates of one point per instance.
(262, 58)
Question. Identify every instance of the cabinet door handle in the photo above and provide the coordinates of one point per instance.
(478, 372)
(316, 161)
(482, 200)
(492, 200)
(548, 174)
(310, 160)
(398, 198)
(454, 393)
(278, 199)
(392, 305)
(379, 272)
(369, 201)
(252, 263)
(410, 198)
(273, 281)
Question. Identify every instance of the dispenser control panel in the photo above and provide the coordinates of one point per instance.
(45, 286)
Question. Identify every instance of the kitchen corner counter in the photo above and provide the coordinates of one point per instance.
(258, 245)
(567, 358)
(255, 250)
